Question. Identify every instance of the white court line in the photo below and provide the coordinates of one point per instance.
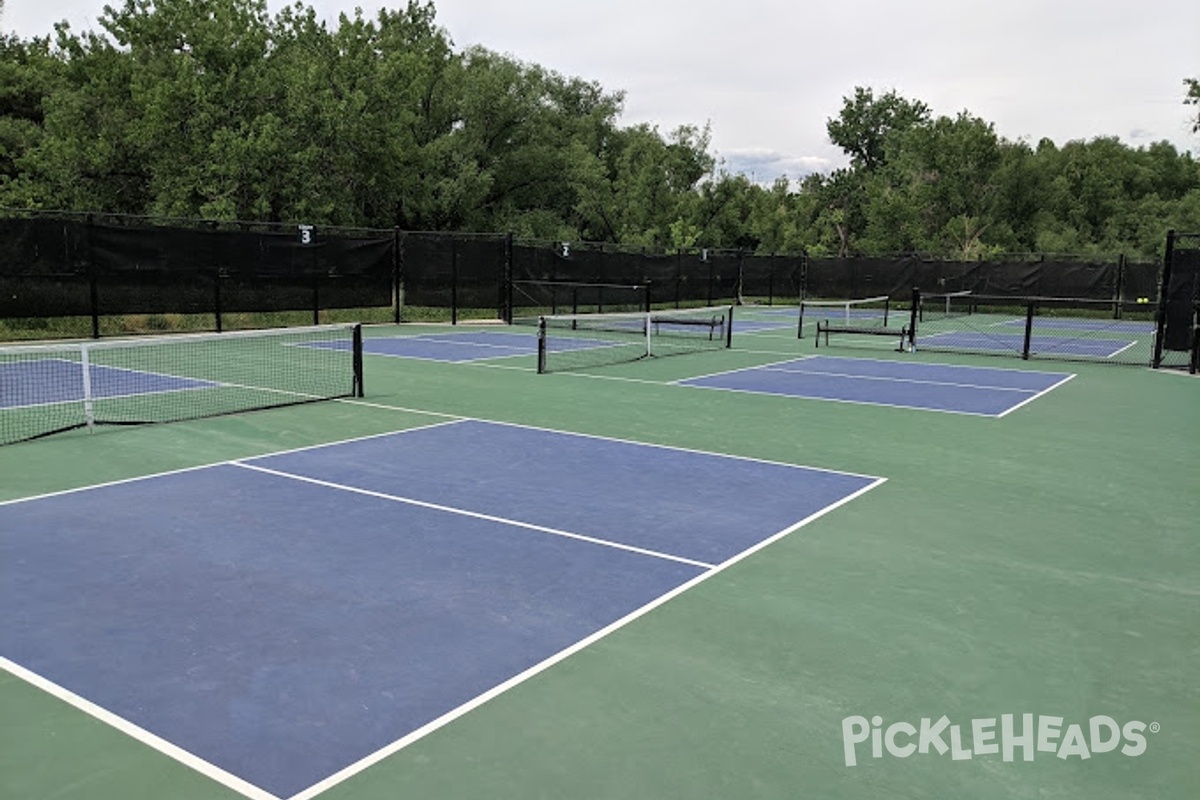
(255, 793)
(843, 400)
(462, 512)
(450, 716)
(679, 449)
(445, 338)
(1036, 396)
(227, 462)
(899, 380)
(680, 381)
(1122, 350)
(137, 732)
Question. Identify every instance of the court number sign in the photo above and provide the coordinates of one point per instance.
(308, 234)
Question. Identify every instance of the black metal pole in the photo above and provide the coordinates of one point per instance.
(541, 355)
(508, 278)
(453, 281)
(1028, 329)
(93, 288)
(1119, 289)
(358, 362)
(217, 296)
(913, 313)
(1164, 285)
(397, 257)
(316, 299)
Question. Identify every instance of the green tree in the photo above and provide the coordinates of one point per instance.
(941, 178)
(865, 123)
(29, 74)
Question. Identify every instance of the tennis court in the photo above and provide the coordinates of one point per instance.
(619, 581)
(997, 342)
(950, 388)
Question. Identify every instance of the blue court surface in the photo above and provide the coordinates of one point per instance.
(934, 387)
(1038, 343)
(483, 345)
(52, 380)
(462, 347)
(769, 324)
(456, 347)
(1077, 324)
(285, 617)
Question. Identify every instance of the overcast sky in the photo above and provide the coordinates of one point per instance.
(768, 74)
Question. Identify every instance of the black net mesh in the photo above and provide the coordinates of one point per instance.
(573, 342)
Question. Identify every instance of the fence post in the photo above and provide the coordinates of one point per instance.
(397, 290)
(217, 296)
(709, 302)
(1119, 289)
(316, 298)
(93, 287)
(678, 274)
(507, 278)
(454, 281)
(1164, 285)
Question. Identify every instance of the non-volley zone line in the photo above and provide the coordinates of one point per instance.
(287, 620)
(950, 388)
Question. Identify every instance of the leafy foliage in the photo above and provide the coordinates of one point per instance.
(219, 109)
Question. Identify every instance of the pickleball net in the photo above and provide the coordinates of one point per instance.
(945, 305)
(580, 341)
(50, 388)
(863, 312)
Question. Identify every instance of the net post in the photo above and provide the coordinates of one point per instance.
(541, 353)
(800, 323)
(887, 301)
(647, 322)
(1029, 310)
(912, 318)
(89, 411)
(357, 389)
(729, 330)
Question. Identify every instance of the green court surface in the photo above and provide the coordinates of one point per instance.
(1042, 563)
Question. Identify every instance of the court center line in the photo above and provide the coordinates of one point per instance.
(476, 515)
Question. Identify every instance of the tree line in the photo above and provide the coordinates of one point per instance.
(218, 109)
